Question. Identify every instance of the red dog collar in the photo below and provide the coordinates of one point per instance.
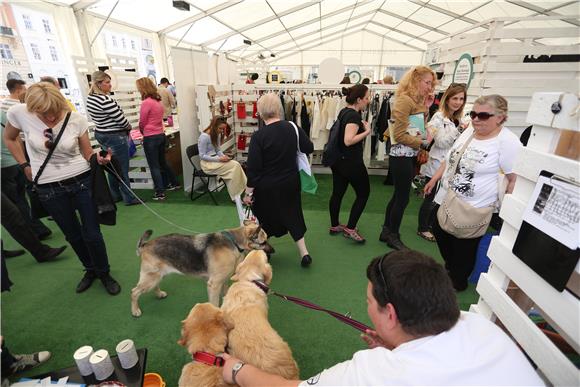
(209, 359)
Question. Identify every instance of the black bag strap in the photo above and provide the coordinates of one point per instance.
(51, 150)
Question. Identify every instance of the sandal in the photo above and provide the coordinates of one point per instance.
(427, 236)
(336, 229)
(353, 234)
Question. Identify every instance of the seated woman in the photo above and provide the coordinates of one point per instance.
(215, 162)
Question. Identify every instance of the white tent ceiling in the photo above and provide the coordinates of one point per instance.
(286, 28)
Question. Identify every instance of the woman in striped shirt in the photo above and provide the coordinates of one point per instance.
(112, 132)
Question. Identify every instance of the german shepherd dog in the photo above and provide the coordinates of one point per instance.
(212, 256)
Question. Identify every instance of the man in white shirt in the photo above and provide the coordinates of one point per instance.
(420, 337)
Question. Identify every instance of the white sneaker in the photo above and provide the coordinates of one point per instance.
(28, 361)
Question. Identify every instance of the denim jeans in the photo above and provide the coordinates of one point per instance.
(84, 235)
(119, 144)
(14, 186)
(154, 147)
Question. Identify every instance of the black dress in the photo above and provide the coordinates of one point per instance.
(273, 173)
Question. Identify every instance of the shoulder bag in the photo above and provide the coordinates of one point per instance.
(456, 216)
(36, 208)
(307, 179)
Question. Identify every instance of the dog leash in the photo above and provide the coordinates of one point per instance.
(298, 301)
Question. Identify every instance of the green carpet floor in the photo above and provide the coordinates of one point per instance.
(43, 312)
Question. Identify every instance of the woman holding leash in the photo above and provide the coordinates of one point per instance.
(215, 162)
(273, 179)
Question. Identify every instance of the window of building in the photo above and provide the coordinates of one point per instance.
(114, 40)
(133, 46)
(35, 51)
(53, 53)
(46, 24)
(5, 51)
(27, 22)
(123, 43)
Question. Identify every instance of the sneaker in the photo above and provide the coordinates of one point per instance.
(50, 253)
(159, 196)
(26, 362)
(112, 286)
(171, 187)
(333, 230)
(306, 261)
(86, 281)
(353, 234)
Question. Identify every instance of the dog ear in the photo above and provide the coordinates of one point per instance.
(257, 231)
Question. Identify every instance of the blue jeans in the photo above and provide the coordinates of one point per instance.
(154, 147)
(84, 235)
(119, 144)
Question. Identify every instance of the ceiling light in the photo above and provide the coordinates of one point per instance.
(248, 42)
(181, 5)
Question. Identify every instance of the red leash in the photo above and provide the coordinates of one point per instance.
(345, 319)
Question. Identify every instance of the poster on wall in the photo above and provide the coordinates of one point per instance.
(463, 72)
(148, 60)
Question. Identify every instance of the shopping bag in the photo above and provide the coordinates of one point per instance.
(307, 179)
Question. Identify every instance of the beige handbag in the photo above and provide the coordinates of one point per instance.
(459, 218)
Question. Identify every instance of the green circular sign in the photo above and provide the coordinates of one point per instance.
(355, 76)
(463, 72)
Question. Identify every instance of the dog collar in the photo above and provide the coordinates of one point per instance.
(209, 359)
(262, 286)
(229, 235)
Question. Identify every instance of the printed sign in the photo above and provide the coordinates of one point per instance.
(463, 72)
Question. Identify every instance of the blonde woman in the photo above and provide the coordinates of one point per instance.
(64, 186)
(111, 132)
(215, 162)
(413, 98)
(151, 125)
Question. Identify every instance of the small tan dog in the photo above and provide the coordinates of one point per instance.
(204, 334)
(251, 338)
(212, 256)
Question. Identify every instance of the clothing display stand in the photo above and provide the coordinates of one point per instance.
(561, 309)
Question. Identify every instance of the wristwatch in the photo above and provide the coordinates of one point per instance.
(236, 368)
(24, 165)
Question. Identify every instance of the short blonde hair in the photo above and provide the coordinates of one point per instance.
(269, 106)
(495, 101)
(44, 97)
(96, 78)
(409, 84)
(388, 80)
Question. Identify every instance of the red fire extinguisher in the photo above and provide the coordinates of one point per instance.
(242, 138)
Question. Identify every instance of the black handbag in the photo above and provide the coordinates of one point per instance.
(36, 208)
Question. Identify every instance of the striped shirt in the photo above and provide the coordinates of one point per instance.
(106, 114)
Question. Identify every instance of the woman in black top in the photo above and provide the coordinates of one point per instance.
(350, 169)
(273, 180)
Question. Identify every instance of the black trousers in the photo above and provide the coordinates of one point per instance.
(402, 169)
(346, 172)
(7, 359)
(426, 212)
(459, 255)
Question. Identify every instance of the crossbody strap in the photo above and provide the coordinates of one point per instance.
(51, 150)
(455, 165)
(297, 135)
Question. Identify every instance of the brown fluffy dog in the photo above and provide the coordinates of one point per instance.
(251, 338)
(203, 330)
(212, 256)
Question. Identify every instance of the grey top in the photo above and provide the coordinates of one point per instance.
(207, 151)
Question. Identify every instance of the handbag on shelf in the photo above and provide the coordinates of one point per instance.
(36, 208)
(307, 180)
(456, 216)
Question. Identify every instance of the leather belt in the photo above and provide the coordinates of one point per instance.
(69, 181)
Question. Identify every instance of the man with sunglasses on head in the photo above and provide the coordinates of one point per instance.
(420, 337)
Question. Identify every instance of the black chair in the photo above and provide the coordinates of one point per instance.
(193, 152)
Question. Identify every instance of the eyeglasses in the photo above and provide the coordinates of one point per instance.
(49, 143)
(380, 264)
(482, 116)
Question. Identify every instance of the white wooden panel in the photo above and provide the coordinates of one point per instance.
(531, 162)
(541, 114)
(526, 67)
(525, 33)
(550, 360)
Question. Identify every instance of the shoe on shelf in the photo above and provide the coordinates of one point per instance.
(353, 234)
(26, 362)
(50, 253)
(306, 261)
(12, 253)
(172, 187)
(112, 286)
(44, 235)
(86, 281)
(333, 230)
(159, 196)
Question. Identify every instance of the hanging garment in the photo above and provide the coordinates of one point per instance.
(294, 113)
(242, 140)
(304, 119)
(331, 111)
(383, 118)
(283, 110)
(241, 110)
(315, 127)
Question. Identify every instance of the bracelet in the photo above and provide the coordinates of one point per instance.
(24, 165)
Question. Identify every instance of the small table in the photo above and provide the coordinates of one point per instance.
(132, 377)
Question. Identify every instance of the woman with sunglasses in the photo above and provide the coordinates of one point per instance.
(490, 154)
(414, 96)
(64, 186)
(444, 127)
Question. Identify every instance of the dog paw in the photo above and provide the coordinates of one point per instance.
(161, 294)
(136, 313)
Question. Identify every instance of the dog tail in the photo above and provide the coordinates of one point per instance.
(146, 235)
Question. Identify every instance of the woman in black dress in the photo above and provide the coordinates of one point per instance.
(273, 180)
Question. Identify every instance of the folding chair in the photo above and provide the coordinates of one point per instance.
(193, 154)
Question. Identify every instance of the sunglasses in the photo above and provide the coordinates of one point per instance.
(380, 265)
(482, 116)
(49, 143)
